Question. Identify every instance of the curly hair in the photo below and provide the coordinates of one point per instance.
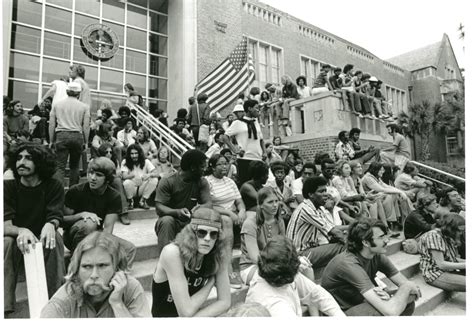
(192, 159)
(301, 77)
(258, 169)
(125, 109)
(353, 131)
(186, 241)
(262, 195)
(128, 158)
(449, 224)
(279, 165)
(312, 184)
(107, 112)
(360, 231)
(43, 158)
(97, 239)
(278, 262)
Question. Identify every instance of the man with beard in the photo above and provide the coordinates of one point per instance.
(97, 285)
(350, 276)
(178, 195)
(33, 204)
(94, 206)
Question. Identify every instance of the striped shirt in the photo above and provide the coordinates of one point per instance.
(306, 225)
(434, 240)
(224, 192)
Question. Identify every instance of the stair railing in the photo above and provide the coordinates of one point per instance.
(439, 171)
(166, 137)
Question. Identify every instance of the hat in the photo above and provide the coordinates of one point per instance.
(373, 79)
(238, 108)
(74, 86)
(205, 216)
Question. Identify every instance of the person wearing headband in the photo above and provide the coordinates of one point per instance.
(189, 267)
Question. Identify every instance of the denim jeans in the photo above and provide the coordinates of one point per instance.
(166, 229)
(69, 144)
(13, 261)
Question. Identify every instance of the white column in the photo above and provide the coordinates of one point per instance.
(7, 30)
(182, 58)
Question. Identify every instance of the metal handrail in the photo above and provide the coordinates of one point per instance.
(439, 171)
(175, 144)
(434, 180)
(164, 130)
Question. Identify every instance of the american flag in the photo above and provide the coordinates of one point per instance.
(231, 77)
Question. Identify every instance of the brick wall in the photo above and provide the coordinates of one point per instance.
(294, 43)
(213, 46)
(309, 148)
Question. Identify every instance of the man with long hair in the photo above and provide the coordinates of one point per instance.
(138, 175)
(350, 275)
(33, 204)
(98, 284)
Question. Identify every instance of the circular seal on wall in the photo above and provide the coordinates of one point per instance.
(100, 41)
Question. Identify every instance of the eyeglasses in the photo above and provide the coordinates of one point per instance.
(201, 233)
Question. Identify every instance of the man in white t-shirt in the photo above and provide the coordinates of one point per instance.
(309, 169)
(249, 139)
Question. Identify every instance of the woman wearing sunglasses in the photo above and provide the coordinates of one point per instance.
(189, 267)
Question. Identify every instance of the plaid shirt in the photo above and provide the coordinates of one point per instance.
(306, 224)
(434, 240)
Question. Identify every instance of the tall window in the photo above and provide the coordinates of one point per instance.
(397, 99)
(310, 68)
(142, 59)
(267, 59)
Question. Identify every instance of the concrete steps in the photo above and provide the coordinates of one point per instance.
(141, 233)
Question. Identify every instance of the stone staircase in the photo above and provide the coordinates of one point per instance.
(141, 233)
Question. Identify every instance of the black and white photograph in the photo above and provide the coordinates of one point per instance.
(234, 158)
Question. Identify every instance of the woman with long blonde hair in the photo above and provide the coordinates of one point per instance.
(189, 267)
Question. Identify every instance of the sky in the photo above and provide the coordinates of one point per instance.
(385, 28)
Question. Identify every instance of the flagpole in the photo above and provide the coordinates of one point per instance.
(248, 65)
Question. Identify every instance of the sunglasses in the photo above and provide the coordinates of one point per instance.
(201, 233)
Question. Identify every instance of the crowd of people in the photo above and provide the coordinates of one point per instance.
(295, 217)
